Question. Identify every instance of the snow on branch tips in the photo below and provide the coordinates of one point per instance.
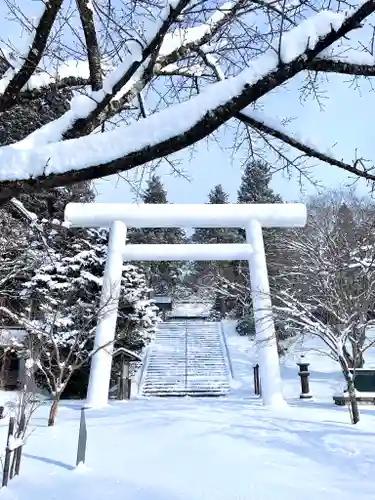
(187, 38)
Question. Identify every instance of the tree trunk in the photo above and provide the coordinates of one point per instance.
(354, 360)
(353, 402)
(359, 361)
(2, 371)
(358, 355)
(351, 389)
(53, 410)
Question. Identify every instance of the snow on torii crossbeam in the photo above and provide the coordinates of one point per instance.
(118, 217)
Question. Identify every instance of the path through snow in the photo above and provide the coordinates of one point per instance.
(205, 449)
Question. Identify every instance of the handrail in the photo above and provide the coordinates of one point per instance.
(143, 369)
(226, 348)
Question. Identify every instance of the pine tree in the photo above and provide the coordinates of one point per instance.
(255, 182)
(155, 192)
(208, 273)
(65, 293)
(66, 290)
(24, 243)
(162, 276)
(51, 204)
(218, 196)
(345, 229)
(255, 188)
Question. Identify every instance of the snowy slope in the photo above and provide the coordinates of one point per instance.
(202, 449)
(325, 375)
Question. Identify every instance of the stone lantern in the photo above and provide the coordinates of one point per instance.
(304, 375)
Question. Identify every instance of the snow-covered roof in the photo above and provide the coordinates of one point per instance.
(130, 354)
(160, 299)
(191, 310)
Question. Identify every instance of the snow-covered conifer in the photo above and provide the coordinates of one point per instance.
(163, 277)
(64, 297)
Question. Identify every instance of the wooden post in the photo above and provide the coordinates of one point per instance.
(257, 387)
(82, 439)
(18, 452)
(128, 388)
(124, 381)
(120, 389)
(8, 452)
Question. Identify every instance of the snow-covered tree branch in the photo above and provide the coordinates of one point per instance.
(93, 53)
(344, 66)
(57, 300)
(327, 286)
(17, 77)
(259, 45)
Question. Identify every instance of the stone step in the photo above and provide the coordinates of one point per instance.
(186, 358)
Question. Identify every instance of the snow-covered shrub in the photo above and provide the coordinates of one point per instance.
(65, 297)
(246, 326)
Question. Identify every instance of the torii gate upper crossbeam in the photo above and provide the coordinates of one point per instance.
(166, 215)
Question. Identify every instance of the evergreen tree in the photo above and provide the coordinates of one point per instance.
(210, 272)
(255, 188)
(25, 243)
(217, 196)
(155, 191)
(163, 277)
(345, 230)
(51, 204)
(65, 294)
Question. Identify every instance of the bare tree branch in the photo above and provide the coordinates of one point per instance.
(69, 82)
(18, 80)
(83, 125)
(210, 117)
(248, 118)
(93, 54)
(36, 162)
(342, 67)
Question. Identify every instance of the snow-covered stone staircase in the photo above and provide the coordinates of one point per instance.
(186, 358)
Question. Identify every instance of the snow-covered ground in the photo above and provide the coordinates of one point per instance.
(207, 449)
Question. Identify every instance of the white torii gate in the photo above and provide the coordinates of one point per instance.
(118, 217)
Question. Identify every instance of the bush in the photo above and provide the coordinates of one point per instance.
(76, 388)
(246, 326)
